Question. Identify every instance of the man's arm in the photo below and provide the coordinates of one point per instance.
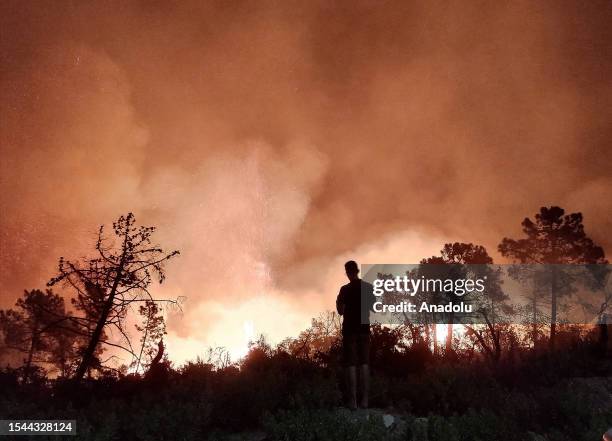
(340, 303)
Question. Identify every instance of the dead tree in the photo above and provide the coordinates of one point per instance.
(108, 284)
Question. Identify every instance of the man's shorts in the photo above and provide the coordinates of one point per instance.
(356, 348)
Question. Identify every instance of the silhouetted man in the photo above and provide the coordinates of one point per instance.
(355, 333)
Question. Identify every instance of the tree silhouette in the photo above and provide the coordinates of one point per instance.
(32, 327)
(322, 334)
(90, 305)
(432, 268)
(553, 238)
(458, 255)
(65, 347)
(108, 284)
(153, 329)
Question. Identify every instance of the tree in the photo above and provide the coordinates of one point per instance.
(90, 304)
(109, 283)
(65, 346)
(32, 326)
(432, 268)
(153, 329)
(459, 256)
(554, 238)
(318, 339)
(600, 281)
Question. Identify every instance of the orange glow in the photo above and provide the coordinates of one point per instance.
(269, 143)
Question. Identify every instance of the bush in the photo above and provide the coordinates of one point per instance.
(485, 425)
(327, 425)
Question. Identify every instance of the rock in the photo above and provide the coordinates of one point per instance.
(417, 428)
(395, 423)
(388, 420)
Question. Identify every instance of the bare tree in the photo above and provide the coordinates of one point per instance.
(323, 332)
(108, 284)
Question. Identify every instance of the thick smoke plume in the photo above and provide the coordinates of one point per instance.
(269, 141)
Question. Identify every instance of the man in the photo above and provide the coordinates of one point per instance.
(355, 332)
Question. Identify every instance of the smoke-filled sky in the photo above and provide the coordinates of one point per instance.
(271, 141)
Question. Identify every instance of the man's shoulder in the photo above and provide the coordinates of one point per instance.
(357, 285)
(346, 287)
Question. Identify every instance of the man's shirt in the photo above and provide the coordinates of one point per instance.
(356, 312)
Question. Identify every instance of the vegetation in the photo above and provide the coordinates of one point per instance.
(494, 381)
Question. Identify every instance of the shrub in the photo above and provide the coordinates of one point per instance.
(327, 425)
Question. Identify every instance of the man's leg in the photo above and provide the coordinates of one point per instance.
(351, 372)
(364, 383)
(364, 369)
(349, 343)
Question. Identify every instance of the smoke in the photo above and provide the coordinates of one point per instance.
(271, 141)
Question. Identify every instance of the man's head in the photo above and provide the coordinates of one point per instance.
(352, 270)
